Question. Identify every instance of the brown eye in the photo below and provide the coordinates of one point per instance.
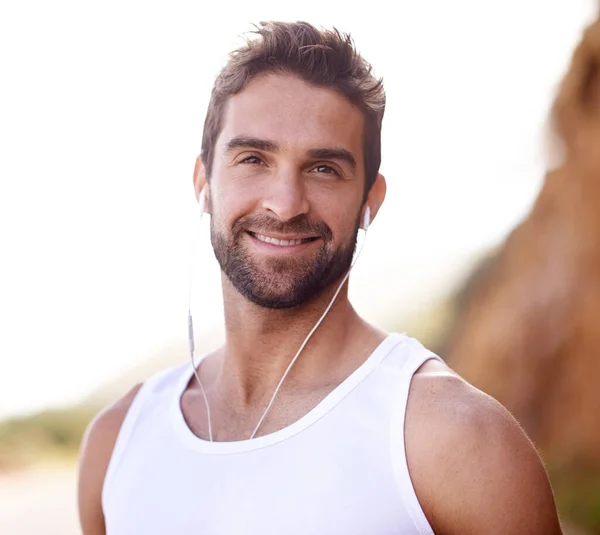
(325, 169)
(252, 160)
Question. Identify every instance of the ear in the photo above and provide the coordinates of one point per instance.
(201, 182)
(376, 196)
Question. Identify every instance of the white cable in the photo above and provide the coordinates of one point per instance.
(210, 435)
(308, 337)
(190, 320)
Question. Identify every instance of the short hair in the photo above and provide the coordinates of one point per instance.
(325, 58)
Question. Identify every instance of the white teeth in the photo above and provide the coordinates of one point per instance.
(275, 241)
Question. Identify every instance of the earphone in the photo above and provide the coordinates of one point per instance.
(201, 202)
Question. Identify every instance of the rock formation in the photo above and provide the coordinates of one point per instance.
(528, 331)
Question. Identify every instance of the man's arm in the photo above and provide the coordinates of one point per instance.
(474, 469)
(96, 451)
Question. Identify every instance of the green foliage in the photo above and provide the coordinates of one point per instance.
(577, 491)
(44, 436)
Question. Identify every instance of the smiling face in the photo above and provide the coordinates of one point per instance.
(286, 190)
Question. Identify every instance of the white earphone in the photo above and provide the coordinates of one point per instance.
(367, 218)
(201, 202)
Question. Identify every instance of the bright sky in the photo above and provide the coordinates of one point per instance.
(101, 114)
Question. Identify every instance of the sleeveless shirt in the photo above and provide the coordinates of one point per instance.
(340, 469)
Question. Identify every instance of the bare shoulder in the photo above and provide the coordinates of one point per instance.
(96, 450)
(473, 468)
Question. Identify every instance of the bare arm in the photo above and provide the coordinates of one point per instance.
(474, 469)
(96, 451)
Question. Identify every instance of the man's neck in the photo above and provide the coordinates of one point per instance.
(260, 344)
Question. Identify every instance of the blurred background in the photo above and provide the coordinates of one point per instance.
(487, 247)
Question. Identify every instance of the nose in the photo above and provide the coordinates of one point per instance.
(286, 197)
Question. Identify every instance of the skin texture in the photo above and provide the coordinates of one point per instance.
(473, 469)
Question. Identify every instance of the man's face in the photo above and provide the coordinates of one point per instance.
(286, 190)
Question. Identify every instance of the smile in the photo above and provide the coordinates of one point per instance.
(281, 242)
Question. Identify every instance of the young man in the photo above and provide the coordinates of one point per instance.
(369, 433)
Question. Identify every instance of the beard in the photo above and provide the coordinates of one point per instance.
(281, 283)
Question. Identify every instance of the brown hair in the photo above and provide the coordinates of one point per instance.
(325, 58)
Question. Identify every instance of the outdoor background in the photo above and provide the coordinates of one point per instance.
(101, 114)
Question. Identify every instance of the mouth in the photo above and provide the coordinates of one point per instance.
(283, 242)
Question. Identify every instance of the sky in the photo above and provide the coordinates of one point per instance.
(101, 113)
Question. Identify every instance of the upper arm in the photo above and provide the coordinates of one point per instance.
(96, 450)
(474, 469)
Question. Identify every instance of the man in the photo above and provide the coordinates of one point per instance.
(367, 432)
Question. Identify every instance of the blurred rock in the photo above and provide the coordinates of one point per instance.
(528, 329)
(529, 332)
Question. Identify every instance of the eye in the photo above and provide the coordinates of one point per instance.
(252, 160)
(325, 170)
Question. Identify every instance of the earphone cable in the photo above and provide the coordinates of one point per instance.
(193, 249)
(308, 337)
(302, 346)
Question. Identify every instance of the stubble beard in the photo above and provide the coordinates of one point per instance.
(281, 283)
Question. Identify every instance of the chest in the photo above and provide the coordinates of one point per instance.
(297, 487)
(231, 423)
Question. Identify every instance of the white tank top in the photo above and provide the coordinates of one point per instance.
(339, 470)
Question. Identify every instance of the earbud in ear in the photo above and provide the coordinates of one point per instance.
(367, 218)
(202, 202)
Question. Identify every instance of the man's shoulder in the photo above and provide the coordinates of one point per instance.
(107, 423)
(469, 459)
(101, 436)
(446, 416)
(104, 428)
(96, 451)
(445, 402)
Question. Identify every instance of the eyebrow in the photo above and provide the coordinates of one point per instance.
(334, 154)
(248, 142)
